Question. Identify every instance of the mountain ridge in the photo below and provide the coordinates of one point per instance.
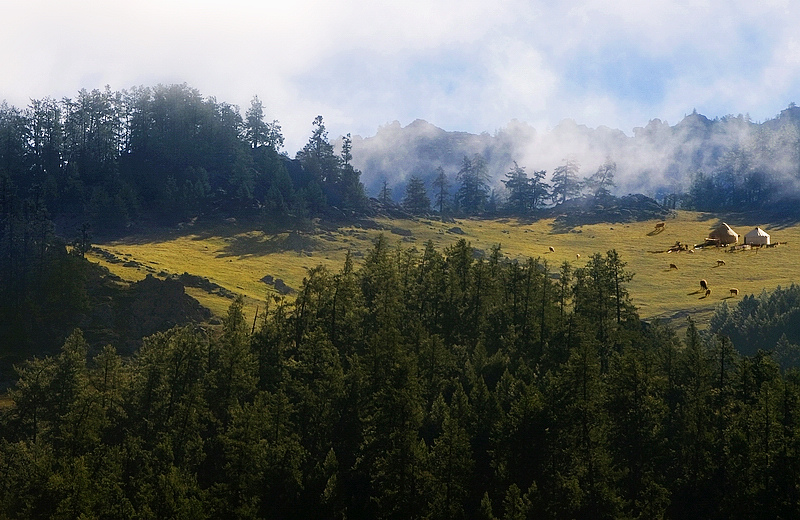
(657, 159)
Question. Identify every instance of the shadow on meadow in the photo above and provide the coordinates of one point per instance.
(249, 245)
(778, 216)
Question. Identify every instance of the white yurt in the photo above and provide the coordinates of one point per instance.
(757, 237)
(724, 235)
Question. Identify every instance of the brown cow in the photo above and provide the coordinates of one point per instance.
(552, 250)
(661, 225)
(704, 284)
(720, 262)
(734, 292)
(708, 291)
(673, 266)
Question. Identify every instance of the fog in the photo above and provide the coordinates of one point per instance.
(654, 159)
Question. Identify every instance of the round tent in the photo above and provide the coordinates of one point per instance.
(724, 235)
(757, 237)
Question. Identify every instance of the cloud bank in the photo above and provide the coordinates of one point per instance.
(463, 65)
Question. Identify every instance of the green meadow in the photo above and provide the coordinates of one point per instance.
(237, 256)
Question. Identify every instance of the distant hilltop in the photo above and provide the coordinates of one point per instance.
(656, 159)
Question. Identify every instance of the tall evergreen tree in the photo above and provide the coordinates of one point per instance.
(565, 182)
(540, 190)
(601, 182)
(256, 130)
(441, 184)
(473, 193)
(385, 194)
(519, 190)
(416, 200)
(317, 156)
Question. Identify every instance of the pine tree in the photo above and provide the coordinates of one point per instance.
(385, 195)
(565, 182)
(519, 190)
(317, 156)
(601, 182)
(441, 185)
(540, 190)
(416, 200)
(256, 130)
(474, 190)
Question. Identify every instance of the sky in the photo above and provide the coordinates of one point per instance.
(462, 65)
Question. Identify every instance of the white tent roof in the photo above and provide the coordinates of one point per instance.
(725, 234)
(757, 232)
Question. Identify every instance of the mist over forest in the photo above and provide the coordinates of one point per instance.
(658, 159)
(165, 154)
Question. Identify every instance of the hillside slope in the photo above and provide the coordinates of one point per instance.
(244, 260)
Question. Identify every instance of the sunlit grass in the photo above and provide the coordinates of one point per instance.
(238, 258)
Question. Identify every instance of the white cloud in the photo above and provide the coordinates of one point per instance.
(515, 58)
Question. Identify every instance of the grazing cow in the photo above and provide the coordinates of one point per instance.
(720, 262)
(552, 250)
(661, 225)
(578, 256)
(708, 291)
(704, 285)
(673, 266)
(734, 292)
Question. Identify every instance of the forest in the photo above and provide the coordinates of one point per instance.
(161, 155)
(418, 384)
(108, 164)
(424, 384)
(114, 163)
(728, 163)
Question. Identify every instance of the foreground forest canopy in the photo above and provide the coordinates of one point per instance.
(425, 384)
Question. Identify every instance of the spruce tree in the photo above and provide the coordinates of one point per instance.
(473, 193)
(565, 182)
(441, 185)
(519, 190)
(416, 200)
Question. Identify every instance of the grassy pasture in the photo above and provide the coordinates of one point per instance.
(237, 257)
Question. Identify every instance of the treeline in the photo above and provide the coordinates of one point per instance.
(745, 178)
(162, 155)
(523, 195)
(770, 321)
(722, 164)
(107, 163)
(422, 385)
(755, 167)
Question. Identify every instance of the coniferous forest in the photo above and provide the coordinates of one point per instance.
(161, 155)
(108, 164)
(425, 384)
(417, 384)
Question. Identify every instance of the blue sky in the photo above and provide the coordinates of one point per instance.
(459, 64)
